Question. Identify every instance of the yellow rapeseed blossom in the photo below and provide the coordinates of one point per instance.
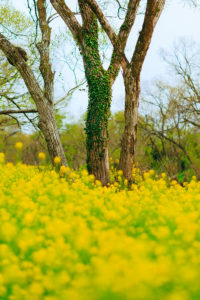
(19, 146)
(98, 183)
(151, 172)
(2, 157)
(120, 172)
(41, 156)
(57, 160)
(68, 237)
(125, 182)
(63, 170)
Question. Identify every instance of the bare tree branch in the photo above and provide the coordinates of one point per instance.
(68, 17)
(152, 14)
(70, 92)
(15, 57)
(43, 48)
(13, 111)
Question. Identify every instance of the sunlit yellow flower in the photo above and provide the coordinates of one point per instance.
(125, 182)
(120, 172)
(174, 182)
(9, 165)
(163, 175)
(41, 155)
(59, 234)
(119, 178)
(151, 172)
(194, 178)
(19, 146)
(98, 183)
(63, 170)
(57, 160)
(2, 157)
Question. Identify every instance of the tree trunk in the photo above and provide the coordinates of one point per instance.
(132, 89)
(99, 89)
(96, 125)
(45, 106)
(47, 125)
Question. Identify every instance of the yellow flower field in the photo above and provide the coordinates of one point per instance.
(69, 238)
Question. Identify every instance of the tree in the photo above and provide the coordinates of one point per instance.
(185, 66)
(11, 96)
(131, 71)
(42, 97)
(99, 79)
(171, 138)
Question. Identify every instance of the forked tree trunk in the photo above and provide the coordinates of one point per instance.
(132, 88)
(86, 36)
(131, 69)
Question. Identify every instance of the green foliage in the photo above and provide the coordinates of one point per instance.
(13, 18)
(98, 109)
(99, 87)
(73, 140)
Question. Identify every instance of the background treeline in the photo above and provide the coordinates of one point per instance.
(175, 151)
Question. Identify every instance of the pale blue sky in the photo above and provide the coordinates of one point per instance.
(176, 22)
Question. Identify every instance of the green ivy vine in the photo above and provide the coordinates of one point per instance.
(99, 87)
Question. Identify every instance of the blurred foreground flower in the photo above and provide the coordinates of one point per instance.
(115, 243)
(19, 146)
(41, 156)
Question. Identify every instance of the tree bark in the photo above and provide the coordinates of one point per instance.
(96, 125)
(132, 69)
(131, 73)
(99, 80)
(127, 154)
(99, 92)
(47, 125)
(44, 107)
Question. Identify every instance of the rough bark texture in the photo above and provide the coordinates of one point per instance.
(132, 70)
(127, 155)
(118, 41)
(44, 106)
(132, 85)
(47, 125)
(43, 48)
(99, 88)
(99, 80)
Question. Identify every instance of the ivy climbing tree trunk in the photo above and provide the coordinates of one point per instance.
(131, 73)
(99, 80)
(99, 92)
(97, 125)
